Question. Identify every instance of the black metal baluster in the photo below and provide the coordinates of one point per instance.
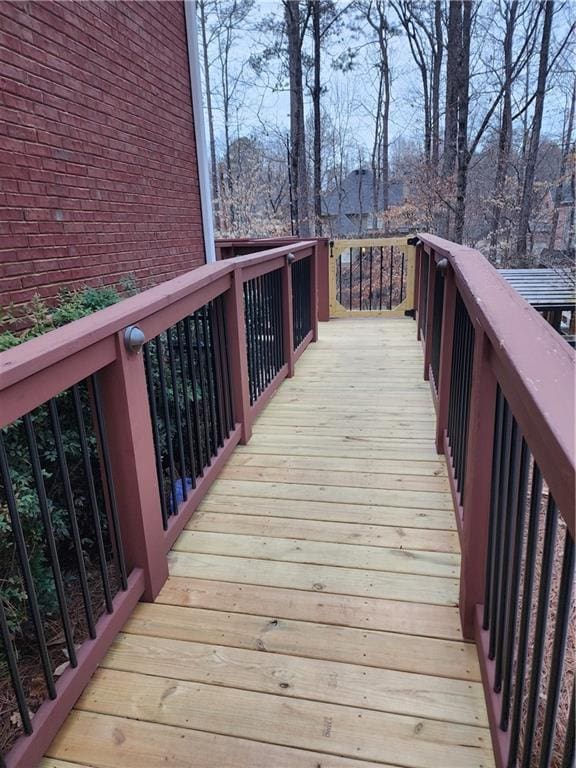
(523, 631)
(24, 561)
(10, 655)
(495, 484)
(381, 277)
(155, 432)
(249, 341)
(103, 434)
(370, 291)
(207, 330)
(187, 413)
(516, 570)
(167, 423)
(78, 551)
(279, 331)
(92, 498)
(496, 596)
(50, 540)
(360, 254)
(177, 415)
(350, 279)
(268, 328)
(339, 268)
(540, 630)
(203, 459)
(391, 276)
(559, 646)
(209, 426)
(402, 277)
(217, 377)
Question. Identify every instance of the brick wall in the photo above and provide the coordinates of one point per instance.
(98, 174)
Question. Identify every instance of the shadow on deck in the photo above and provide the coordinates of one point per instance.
(310, 618)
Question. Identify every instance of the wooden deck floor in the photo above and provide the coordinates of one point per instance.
(309, 620)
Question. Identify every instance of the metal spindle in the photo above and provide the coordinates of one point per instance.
(202, 458)
(540, 630)
(155, 432)
(514, 583)
(187, 413)
(559, 646)
(10, 654)
(370, 291)
(78, 551)
(495, 481)
(167, 423)
(391, 276)
(360, 254)
(49, 534)
(177, 415)
(500, 522)
(523, 631)
(402, 277)
(381, 277)
(92, 498)
(23, 559)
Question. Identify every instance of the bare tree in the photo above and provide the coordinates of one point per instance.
(296, 19)
(532, 154)
(566, 151)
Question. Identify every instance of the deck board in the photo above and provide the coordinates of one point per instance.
(310, 616)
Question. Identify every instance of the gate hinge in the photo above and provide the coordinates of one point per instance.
(413, 241)
(410, 313)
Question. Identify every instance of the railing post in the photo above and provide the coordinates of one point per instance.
(314, 299)
(417, 266)
(236, 338)
(131, 446)
(476, 513)
(445, 368)
(288, 316)
(322, 276)
(428, 320)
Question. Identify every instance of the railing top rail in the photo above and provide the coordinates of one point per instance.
(26, 359)
(540, 366)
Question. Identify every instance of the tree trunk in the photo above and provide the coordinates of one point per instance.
(435, 88)
(316, 93)
(532, 155)
(212, 140)
(563, 166)
(463, 102)
(297, 132)
(453, 44)
(505, 137)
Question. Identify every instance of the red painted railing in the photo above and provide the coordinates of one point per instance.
(42, 368)
(502, 382)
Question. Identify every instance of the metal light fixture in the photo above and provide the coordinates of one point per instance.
(134, 339)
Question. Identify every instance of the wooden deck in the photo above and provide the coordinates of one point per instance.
(309, 620)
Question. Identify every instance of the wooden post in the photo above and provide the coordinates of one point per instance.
(476, 513)
(445, 368)
(429, 314)
(131, 446)
(322, 262)
(314, 299)
(237, 353)
(288, 317)
(417, 267)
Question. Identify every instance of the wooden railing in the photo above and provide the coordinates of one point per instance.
(153, 394)
(502, 382)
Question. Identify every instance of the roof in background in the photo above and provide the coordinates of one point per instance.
(543, 288)
(356, 195)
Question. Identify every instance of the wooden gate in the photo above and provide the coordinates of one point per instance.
(372, 276)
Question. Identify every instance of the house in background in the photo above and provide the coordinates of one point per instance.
(99, 162)
(349, 209)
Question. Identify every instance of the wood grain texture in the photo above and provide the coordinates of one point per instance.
(310, 617)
